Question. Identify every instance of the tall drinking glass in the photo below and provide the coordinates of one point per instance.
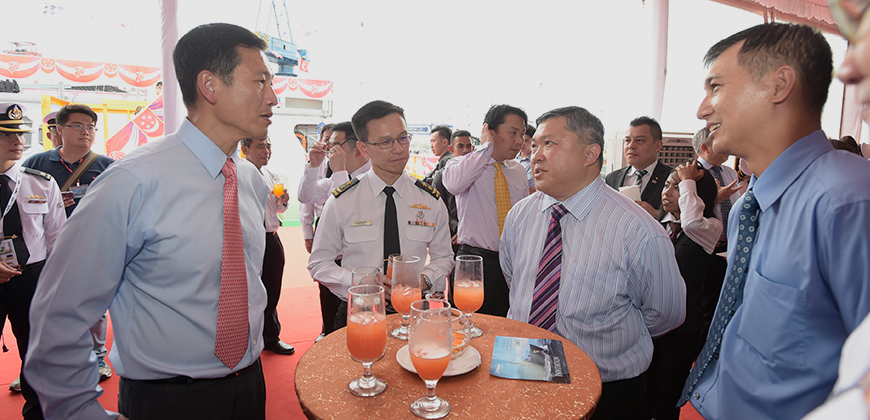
(405, 290)
(366, 275)
(366, 336)
(430, 345)
(468, 287)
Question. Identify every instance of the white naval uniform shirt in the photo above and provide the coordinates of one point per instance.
(352, 226)
(40, 207)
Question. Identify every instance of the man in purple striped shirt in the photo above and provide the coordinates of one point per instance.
(618, 284)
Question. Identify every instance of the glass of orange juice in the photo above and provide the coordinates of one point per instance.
(405, 290)
(366, 336)
(431, 347)
(468, 287)
(278, 189)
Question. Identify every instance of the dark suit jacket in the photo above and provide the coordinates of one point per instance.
(442, 162)
(652, 194)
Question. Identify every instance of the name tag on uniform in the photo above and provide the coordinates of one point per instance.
(356, 223)
(7, 253)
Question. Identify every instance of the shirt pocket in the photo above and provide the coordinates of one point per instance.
(420, 233)
(593, 298)
(773, 321)
(33, 211)
(359, 234)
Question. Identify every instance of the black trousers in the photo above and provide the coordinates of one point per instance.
(239, 396)
(496, 294)
(15, 298)
(273, 273)
(623, 400)
(710, 292)
(672, 359)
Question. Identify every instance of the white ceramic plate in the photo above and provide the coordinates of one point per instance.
(461, 365)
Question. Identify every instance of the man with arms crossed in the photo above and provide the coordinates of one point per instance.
(177, 231)
(585, 262)
(798, 278)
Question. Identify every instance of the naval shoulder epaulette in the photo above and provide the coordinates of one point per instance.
(428, 188)
(37, 173)
(346, 186)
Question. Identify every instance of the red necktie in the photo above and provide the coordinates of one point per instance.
(232, 320)
(545, 300)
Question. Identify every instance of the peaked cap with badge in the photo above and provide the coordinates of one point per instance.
(12, 118)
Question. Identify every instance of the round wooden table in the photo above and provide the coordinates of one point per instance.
(325, 370)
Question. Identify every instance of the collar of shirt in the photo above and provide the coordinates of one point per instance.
(211, 156)
(376, 184)
(669, 217)
(520, 158)
(579, 204)
(649, 169)
(12, 173)
(362, 169)
(787, 167)
(54, 155)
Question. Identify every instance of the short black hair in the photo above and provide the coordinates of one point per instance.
(771, 45)
(66, 112)
(372, 111)
(581, 123)
(160, 84)
(530, 130)
(497, 114)
(325, 128)
(212, 47)
(442, 131)
(248, 142)
(654, 128)
(346, 128)
(459, 133)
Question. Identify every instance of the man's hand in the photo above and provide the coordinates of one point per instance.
(727, 191)
(485, 134)
(690, 171)
(284, 198)
(337, 159)
(453, 240)
(7, 272)
(68, 201)
(649, 208)
(316, 155)
(308, 244)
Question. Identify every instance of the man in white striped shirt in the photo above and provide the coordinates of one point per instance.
(617, 281)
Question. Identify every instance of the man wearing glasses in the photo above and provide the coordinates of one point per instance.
(76, 129)
(487, 183)
(797, 280)
(385, 211)
(345, 161)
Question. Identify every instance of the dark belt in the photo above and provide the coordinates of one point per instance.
(478, 251)
(254, 367)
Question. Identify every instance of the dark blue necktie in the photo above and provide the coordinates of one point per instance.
(731, 296)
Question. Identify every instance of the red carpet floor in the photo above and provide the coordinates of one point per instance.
(299, 311)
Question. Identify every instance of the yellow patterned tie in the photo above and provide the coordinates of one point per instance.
(502, 196)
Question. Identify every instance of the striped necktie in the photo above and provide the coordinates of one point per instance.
(232, 320)
(732, 293)
(502, 196)
(545, 300)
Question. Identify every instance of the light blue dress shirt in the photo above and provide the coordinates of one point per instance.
(620, 284)
(807, 288)
(146, 243)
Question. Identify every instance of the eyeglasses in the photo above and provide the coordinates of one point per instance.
(342, 143)
(79, 127)
(849, 15)
(386, 144)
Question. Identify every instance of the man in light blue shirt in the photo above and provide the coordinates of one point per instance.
(147, 244)
(807, 284)
(619, 285)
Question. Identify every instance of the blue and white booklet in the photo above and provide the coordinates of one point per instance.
(534, 359)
